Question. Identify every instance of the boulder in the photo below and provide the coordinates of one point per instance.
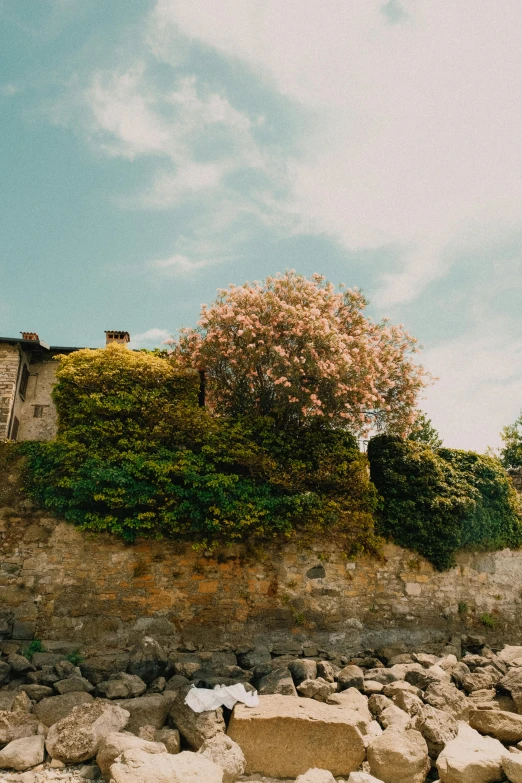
(350, 677)
(5, 672)
(150, 710)
(277, 682)
(316, 776)
(6, 700)
(77, 737)
(300, 734)
(408, 702)
(504, 726)
(302, 669)
(51, 710)
(37, 692)
(256, 657)
(73, 685)
(437, 727)
(446, 697)
(123, 686)
(362, 777)
(170, 738)
(471, 758)
(17, 724)
(20, 664)
(116, 743)
(148, 660)
(195, 727)
(511, 655)
(326, 670)
(393, 716)
(137, 766)
(227, 754)
(512, 766)
(23, 753)
(399, 757)
(100, 667)
(476, 681)
(316, 689)
(22, 703)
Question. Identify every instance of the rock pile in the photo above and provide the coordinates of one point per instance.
(452, 715)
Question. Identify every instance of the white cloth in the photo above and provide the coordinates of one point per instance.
(202, 699)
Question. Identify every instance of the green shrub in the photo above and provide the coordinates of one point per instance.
(33, 647)
(440, 501)
(135, 455)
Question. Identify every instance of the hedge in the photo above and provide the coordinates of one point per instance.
(440, 501)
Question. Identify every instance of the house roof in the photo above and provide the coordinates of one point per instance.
(43, 346)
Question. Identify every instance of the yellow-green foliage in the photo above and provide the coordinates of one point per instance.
(135, 455)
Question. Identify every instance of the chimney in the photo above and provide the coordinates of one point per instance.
(30, 336)
(117, 337)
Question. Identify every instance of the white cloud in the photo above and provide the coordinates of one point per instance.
(8, 90)
(180, 265)
(418, 125)
(152, 338)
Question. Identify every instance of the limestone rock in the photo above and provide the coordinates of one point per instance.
(136, 766)
(37, 692)
(14, 725)
(362, 777)
(394, 717)
(399, 757)
(446, 697)
(471, 758)
(77, 737)
(316, 689)
(437, 727)
(147, 710)
(20, 664)
(476, 681)
(54, 708)
(170, 738)
(326, 670)
(23, 753)
(122, 686)
(22, 703)
(511, 655)
(504, 726)
(300, 733)
(6, 700)
(316, 776)
(116, 743)
(227, 754)
(279, 681)
(193, 726)
(512, 766)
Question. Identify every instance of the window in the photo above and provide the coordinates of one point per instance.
(24, 381)
(14, 431)
(38, 411)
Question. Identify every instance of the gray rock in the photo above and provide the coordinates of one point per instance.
(20, 664)
(194, 727)
(351, 677)
(302, 669)
(74, 685)
(326, 670)
(121, 686)
(5, 672)
(148, 710)
(37, 692)
(278, 681)
(148, 660)
(54, 708)
(100, 667)
(255, 657)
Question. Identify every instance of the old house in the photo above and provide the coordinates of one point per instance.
(27, 376)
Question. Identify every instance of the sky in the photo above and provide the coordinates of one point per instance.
(154, 151)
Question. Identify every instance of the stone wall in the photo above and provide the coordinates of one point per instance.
(59, 583)
(41, 381)
(9, 365)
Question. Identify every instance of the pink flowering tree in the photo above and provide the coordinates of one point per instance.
(298, 350)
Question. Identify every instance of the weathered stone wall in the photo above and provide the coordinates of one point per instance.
(9, 365)
(41, 382)
(59, 583)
